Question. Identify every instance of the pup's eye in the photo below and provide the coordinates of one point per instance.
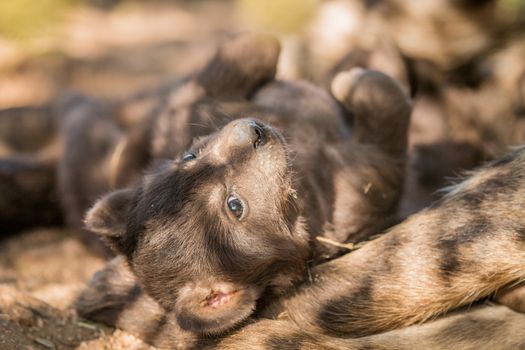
(235, 206)
(188, 156)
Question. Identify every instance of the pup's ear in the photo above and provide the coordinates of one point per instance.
(108, 217)
(240, 66)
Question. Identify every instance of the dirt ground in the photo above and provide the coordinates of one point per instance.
(41, 274)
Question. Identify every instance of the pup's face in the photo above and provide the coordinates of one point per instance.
(207, 233)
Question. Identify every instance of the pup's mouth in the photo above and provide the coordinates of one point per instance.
(212, 308)
(218, 298)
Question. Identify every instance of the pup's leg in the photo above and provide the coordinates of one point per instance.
(240, 66)
(114, 298)
(371, 179)
(379, 106)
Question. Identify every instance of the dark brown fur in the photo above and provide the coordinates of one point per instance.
(324, 170)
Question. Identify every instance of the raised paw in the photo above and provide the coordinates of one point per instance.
(240, 66)
(380, 108)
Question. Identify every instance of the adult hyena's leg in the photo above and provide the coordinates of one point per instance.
(485, 327)
(465, 247)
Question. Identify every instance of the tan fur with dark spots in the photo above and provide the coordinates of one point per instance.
(482, 328)
(465, 247)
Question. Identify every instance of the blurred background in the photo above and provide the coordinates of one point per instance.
(463, 61)
(114, 47)
(111, 48)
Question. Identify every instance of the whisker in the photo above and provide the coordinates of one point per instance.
(197, 124)
(225, 116)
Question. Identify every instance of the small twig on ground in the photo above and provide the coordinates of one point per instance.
(349, 246)
(44, 342)
(88, 326)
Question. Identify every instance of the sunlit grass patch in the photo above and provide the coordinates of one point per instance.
(22, 19)
(277, 15)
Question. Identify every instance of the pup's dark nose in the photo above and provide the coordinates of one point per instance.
(249, 132)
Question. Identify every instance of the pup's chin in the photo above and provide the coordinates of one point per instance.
(214, 309)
